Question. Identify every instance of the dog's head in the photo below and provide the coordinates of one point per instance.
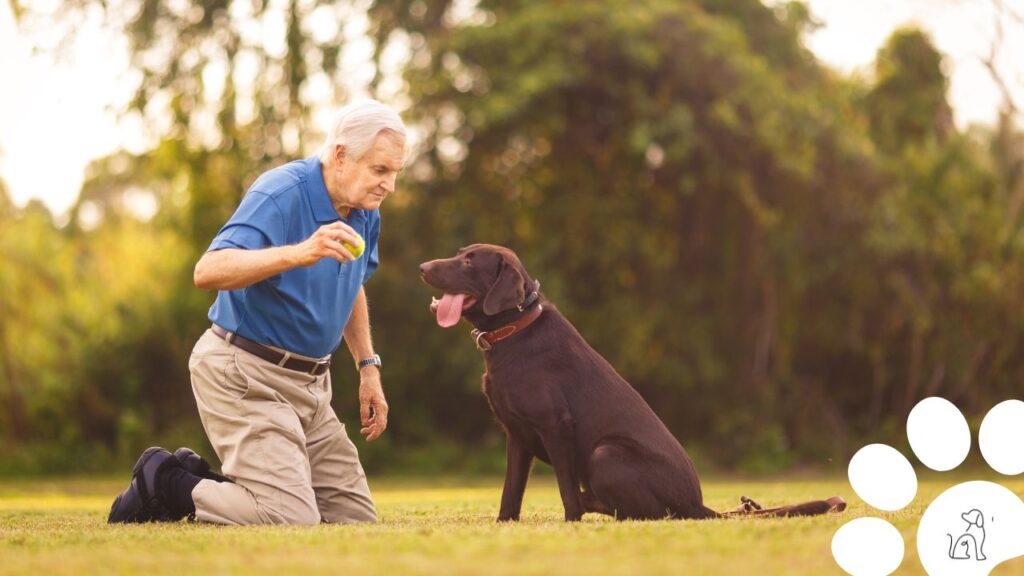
(974, 517)
(480, 280)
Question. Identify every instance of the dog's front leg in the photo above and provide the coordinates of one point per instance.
(517, 472)
(559, 443)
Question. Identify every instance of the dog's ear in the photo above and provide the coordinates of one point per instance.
(974, 517)
(506, 292)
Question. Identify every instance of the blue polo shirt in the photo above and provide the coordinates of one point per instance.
(303, 310)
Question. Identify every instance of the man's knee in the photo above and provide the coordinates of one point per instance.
(286, 508)
(293, 516)
(236, 504)
(305, 518)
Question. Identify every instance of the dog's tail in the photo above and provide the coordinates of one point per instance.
(812, 508)
(710, 514)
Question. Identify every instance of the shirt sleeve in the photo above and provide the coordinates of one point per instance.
(257, 223)
(372, 257)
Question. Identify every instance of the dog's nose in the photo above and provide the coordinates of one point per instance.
(423, 268)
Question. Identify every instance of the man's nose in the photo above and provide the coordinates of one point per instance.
(388, 183)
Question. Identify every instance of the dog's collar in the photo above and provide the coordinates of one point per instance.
(486, 340)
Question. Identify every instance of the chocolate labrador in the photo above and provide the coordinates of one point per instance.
(560, 401)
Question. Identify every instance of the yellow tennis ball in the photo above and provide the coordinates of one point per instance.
(358, 249)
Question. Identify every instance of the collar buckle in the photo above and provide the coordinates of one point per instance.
(479, 337)
(531, 297)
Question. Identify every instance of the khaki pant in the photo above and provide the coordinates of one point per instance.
(278, 438)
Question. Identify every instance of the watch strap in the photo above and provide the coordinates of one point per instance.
(371, 361)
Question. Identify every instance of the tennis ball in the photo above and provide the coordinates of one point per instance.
(358, 249)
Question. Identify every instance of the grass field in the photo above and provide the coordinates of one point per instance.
(440, 527)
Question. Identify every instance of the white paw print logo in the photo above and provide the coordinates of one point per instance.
(970, 528)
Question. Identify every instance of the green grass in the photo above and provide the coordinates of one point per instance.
(440, 527)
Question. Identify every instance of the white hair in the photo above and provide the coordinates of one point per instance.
(356, 127)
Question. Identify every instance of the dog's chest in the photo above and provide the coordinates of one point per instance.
(490, 390)
(503, 401)
(516, 401)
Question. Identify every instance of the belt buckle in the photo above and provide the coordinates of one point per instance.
(325, 362)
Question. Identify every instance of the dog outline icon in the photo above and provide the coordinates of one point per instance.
(973, 538)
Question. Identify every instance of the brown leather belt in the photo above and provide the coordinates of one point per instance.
(313, 368)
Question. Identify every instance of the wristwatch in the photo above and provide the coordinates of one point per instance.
(371, 361)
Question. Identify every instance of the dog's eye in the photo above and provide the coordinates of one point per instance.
(466, 262)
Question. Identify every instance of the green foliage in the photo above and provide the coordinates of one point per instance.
(76, 314)
(907, 104)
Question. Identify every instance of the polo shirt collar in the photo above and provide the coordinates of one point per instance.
(323, 208)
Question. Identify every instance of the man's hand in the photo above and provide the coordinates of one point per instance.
(373, 409)
(326, 243)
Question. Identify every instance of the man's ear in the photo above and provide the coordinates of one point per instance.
(506, 292)
(340, 153)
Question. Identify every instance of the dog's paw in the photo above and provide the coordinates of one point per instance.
(970, 528)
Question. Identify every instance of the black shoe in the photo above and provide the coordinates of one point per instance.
(141, 501)
(195, 464)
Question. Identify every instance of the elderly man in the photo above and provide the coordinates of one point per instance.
(290, 287)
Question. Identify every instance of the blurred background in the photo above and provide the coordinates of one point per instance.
(784, 223)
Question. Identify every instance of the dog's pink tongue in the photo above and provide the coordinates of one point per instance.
(449, 310)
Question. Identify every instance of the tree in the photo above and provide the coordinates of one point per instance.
(907, 105)
(949, 264)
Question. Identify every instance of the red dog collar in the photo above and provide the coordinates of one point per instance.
(486, 340)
